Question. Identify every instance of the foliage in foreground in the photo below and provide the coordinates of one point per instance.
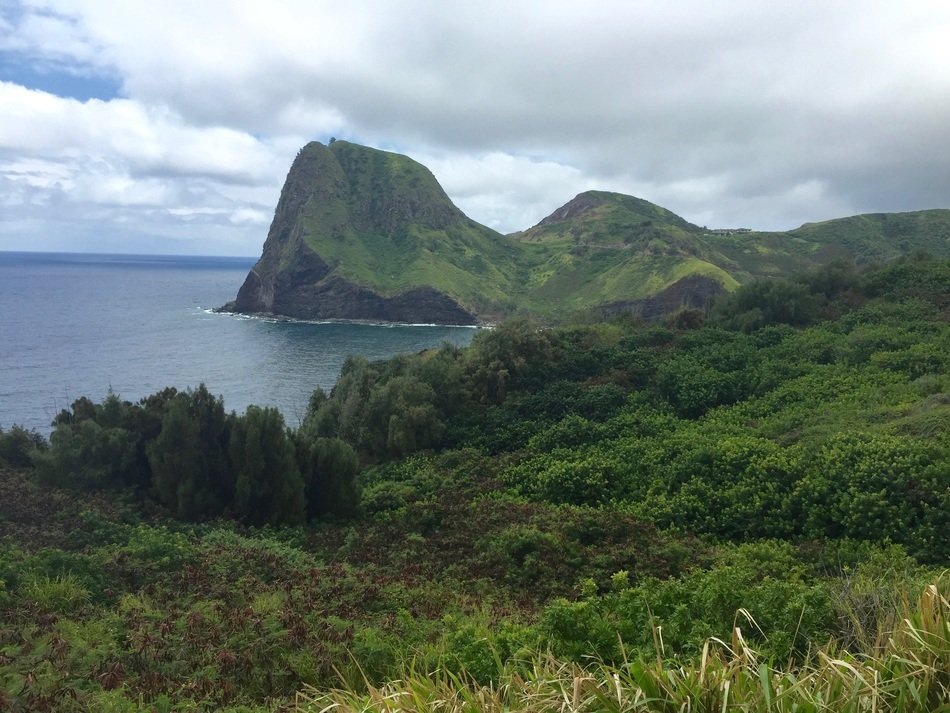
(586, 492)
(100, 610)
(812, 408)
(908, 671)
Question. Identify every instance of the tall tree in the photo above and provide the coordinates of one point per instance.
(328, 467)
(178, 475)
(268, 487)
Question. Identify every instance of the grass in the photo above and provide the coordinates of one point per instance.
(61, 594)
(908, 669)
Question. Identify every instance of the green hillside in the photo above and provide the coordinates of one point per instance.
(364, 233)
(608, 247)
(602, 217)
(862, 239)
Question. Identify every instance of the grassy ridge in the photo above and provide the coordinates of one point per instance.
(862, 239)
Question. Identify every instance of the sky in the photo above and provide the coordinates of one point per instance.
(168, 127)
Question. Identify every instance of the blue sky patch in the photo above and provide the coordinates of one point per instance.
(55, 80)
(47, 68)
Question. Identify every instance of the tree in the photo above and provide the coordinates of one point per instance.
(401, 418)
(344, 415)
(17, 445)
(765, 302)
(190, 469)
(328, 467)
(89, 456)
(208, 412)
(268, 487)
(513, 355)
(175, 456)
(120, 421)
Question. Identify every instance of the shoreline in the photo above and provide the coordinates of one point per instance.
(273, 317)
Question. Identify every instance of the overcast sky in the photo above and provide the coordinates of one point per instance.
(169, 126)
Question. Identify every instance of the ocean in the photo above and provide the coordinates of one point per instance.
(76, 325)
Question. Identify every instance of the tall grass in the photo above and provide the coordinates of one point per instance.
(909, 670)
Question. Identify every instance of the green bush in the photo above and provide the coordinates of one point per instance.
(563, 476)
(878, 487)
(62, 594)
(88, 456)
(17, 445)
(761, 590)
(521, 551)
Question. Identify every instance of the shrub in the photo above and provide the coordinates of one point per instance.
(88, 456)
(62, 594)
(17, 446)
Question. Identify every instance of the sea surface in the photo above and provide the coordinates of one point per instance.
(79, 325)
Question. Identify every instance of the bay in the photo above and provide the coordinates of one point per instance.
(79, 325)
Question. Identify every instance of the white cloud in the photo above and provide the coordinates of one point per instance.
(506, 192)
(147, 139)
(747, 113)
(58, 37)
(99, 155)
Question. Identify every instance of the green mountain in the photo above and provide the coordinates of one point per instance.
(611, 249)
(361, 233)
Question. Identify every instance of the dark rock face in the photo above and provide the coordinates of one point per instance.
(693, 292)
(305, 292)
(336, 298)
(577, 206)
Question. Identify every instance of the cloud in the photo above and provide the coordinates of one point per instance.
(756, 114)
(505, 190)
(104, 164)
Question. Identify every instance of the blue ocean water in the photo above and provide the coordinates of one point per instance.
(78, 325)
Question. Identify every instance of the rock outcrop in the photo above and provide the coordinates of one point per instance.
(692, 292)
(324, 199)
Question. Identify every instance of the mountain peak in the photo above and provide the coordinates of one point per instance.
(599, 205)
(579, 205)
(362, 233)
(388, 193)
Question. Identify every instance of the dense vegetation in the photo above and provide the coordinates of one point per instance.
(772, 472)
(907, 673)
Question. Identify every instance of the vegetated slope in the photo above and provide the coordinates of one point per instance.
(604, 492)
(613, 251)
(622, 253)
(862, 239)
(361, 233)
(906, 672)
